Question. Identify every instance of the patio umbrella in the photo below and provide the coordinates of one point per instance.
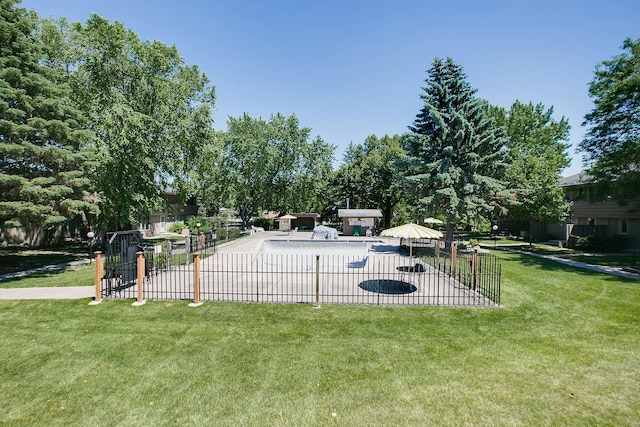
(432, 221)
(287, 218)
(412, 231)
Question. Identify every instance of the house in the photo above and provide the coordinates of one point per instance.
(174, 211)
(359, 222)
(599, 218)
(301, 222)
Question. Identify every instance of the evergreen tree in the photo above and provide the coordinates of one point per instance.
(455, 155)
(43, 144)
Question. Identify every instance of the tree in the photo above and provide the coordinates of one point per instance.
(537, 153)
(369, 177)
(150, 112)
(308, 192)
(455, 152)
(611, 146)
(268, 163)
(43, 140)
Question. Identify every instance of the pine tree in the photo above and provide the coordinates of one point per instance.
(455, 152)
(42, 143)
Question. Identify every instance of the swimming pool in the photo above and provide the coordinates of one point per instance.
(315, 247)
(296, 252)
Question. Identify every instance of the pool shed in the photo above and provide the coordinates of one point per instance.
(359, 222)
(305, 221)
(302, 222)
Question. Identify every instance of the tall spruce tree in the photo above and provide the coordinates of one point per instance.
(455, 155)
(42, 142)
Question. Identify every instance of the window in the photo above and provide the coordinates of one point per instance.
(624, 226)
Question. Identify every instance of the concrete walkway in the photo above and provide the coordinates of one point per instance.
(250, 244)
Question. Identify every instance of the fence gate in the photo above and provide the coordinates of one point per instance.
(120, 260)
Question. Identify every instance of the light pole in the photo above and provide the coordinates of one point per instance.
(90, 236)
(495, 234)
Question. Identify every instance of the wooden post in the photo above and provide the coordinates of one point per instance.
(196, 297)
(454, 254)
(140, 265)
(98, 278)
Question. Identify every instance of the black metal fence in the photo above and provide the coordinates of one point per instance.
(443, 278)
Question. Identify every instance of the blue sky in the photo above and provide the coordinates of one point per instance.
(349, 69)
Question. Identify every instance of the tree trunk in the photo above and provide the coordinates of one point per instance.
(448, 238)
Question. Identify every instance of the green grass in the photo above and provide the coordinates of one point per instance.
(562, 350)
(11, 261)
(82, 275)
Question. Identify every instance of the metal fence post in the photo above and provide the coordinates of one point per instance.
(317, 281)
(196, 298)
(98, 278)
(140, 265)
(474, 267)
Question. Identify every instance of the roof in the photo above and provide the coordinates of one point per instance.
(359, 213)
(577, 179)
(306, 215)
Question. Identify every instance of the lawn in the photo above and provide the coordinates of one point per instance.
(79, 275)
(562, 350)
(19, 260)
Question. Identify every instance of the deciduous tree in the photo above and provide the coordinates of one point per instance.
(150, 112)
(537, 153)
(369, 177)
(265, 160)
(611, 147)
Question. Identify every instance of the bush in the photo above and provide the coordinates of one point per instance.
(176, 227)
(205, 225)
(601, 244)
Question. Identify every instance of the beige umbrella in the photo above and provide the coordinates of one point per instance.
(287, 218)
(412, 231)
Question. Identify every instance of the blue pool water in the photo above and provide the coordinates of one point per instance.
(302, 253)
(315, 247)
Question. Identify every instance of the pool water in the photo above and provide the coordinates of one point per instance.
(303, 252)
(315, 247)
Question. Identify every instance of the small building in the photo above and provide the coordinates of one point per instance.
(359, 222)
(299, 221)
(174, 211)
(595, 217)
(304, 221)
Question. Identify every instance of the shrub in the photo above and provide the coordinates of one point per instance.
(205, 225)
(176, 227)
(601, 244)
